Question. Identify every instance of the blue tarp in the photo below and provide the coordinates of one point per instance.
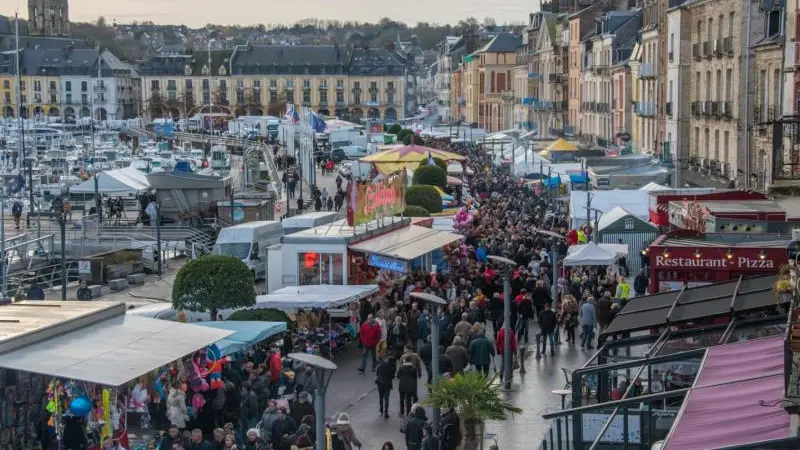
(580, 178)
(554, 181)
(246, 333)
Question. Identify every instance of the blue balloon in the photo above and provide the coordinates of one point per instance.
(80, 406)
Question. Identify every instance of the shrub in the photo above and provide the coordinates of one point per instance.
(425, 196)
(416, 211)
(263, 315)
(395, 129)
(430, 175)
(438, 161)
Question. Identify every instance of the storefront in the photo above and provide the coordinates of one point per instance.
(690, 259)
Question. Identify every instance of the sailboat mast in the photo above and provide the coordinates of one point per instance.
(21, 154)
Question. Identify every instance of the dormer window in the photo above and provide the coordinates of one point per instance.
(187, 70)
(204, 71)
(222, 71)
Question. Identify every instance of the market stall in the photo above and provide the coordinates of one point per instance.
(71, 362)
(324, 315)
(245, 334)
(590, 254)
(620, 225)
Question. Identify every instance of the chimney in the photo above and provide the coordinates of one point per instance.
(470, 44)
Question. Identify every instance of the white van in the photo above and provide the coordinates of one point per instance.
(249, 242)
(308, 221)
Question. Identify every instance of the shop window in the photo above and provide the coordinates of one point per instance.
(629, 223)
(320, 268)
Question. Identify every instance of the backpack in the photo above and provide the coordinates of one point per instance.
(16, 209)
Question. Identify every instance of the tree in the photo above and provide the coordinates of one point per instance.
(263, 315)
(101, 22)
(476, 398)
(395, 129)
(425, 196)
(412, 139)
(416, 211)
(431, 176)
(403, 133)
(213, 282)
(439, 162)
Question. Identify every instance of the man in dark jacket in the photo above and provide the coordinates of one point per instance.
(301, 407)
(384, 376)
(414, 429)
(282, 427)
(449, 431)
(407, 375)
(640, 283)
(604, 312)
(525, 311)
(481, 352)
(458, 354)
(429, 441)
(426, 355)
(547, 323)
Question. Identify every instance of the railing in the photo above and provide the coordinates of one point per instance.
(645, 109)
(764, 114)
(696, 51)
(646, 70)
(668, 109)
(727, 46)
(791, 52)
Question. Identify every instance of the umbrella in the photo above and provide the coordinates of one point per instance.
(407, 156)
(560, 145)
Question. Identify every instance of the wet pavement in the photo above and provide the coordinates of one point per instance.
(357, 395)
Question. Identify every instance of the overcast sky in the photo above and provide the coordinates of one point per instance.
(249, 12)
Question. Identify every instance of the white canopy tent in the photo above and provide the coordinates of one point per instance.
(321, 296)
(616, 249)
(636, 202)
(654, 187)
(123, 181)
(590, 255)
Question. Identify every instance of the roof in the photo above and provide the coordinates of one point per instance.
(725, 406)
(590, 255)
(724, 240)
(691, 304)
(616, 214)
(67, 61)
(315, 296)
(502, 43)
(407, 243)
(102, 349)
(290, 59)
(374, 62)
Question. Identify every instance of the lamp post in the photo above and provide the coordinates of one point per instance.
(508, 266)
(3, 236)
(323, 371)
(158, 237)
(29, 161)
(58, 207)
(98, 204)
(437, 302)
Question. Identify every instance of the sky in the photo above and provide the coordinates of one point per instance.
(249, 12)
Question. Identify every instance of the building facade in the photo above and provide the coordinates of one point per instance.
(550, 81)
(451, 50)
(647, 100)
(350, 83)
(678, 105)
(621, 110)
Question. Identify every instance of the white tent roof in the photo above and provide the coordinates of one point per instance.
(113, 351)
(612, 216)
(654, 187)
(590, 255)
(635, 202)
(617, 249)
(123, 181)
(315, 296)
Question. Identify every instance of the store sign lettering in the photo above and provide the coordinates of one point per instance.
(741, 262)
(381, 199)
(382, 262)
(380, 196)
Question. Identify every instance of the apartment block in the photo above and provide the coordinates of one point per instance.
(678, 106)
(549, 102)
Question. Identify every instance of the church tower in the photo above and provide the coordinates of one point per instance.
(48, 17)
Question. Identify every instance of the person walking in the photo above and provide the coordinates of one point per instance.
(640, 283)
(587, 317)
(500, 342)
(414, 429)
(384, 374)
(458, 355)
(481, 352)
(547, 324)
(369, 334)
(407, 374)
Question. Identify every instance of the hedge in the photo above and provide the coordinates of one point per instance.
(430, 175)
(416, 211)
(425, 196)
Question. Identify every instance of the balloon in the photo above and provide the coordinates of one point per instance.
(80, 406)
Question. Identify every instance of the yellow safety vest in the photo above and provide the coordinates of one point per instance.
(626, 291)
(581, 237)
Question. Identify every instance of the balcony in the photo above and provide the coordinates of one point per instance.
(99, 88)
(727, 109)
(697, 109)
(764, 114)
(645, 109)
(600, 69)
(707, 50)
(589, 107)
(534, 75)
(603, 108)
(716, 48)
(707, 108)
(696, 54)
(646, 70)
(671, 56)
(668, 109)
(791, 52)
(727, 46)
(556, 78)
(716, 109)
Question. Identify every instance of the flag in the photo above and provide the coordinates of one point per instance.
(431, 162)
(316, 122)
(291, 114)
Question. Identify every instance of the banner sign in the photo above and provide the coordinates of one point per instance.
(380, 199)
(385, 263)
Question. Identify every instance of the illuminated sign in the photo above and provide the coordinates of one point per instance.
(382, 262)
(740, 262)
(380, 199)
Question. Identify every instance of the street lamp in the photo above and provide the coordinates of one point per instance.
(508, 266)
(98, 204)
(323, 371)
(437, 302)
(58, 207)
(29, 165)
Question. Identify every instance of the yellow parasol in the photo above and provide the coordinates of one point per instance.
(560, 146)
(407, 156)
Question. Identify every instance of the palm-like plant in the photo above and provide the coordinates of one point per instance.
(477, 399)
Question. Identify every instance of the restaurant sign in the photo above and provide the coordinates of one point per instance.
(382, 262)
(739, 262)
(380, 199)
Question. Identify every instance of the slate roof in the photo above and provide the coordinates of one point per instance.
(290, 59)
(502, 43)
(374, 62)
(72, 62)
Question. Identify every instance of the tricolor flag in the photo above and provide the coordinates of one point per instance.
(291, 114)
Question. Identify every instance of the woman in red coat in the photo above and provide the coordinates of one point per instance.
(500, 347)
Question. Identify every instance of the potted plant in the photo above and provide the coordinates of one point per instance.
(477, 399)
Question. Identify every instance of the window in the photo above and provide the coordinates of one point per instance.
(204, 84)
(69, 99)
(273, 97)
(306, 96)
(323, 96)
(171, 96)
(256, 84)
(154, 85)
(53, 86)
(290, 96)
(84, 99)
(390, 97)
(289, 84)
(273, 83)
(84, 86)
(320, 268)
(37, 86)
(171, 85)
(7, 84)
(373, 85)
(223, 85)
(390, 85)
(188, 85)
(339, 97)
(339, 84)
(306, 84)
(22, 85)
(373, 97)
(240, 83)
(356, 85)
(206, 97)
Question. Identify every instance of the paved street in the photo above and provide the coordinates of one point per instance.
(357, 395)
